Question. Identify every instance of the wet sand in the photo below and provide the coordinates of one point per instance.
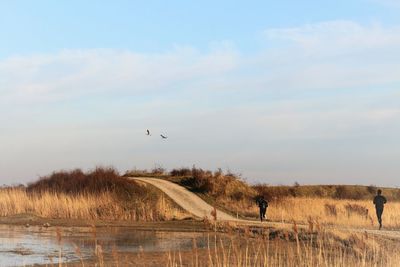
(33, 220)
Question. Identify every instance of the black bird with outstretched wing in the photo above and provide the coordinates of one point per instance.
(148, 132)
(163, 136)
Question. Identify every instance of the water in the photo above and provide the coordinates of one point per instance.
(21, 246)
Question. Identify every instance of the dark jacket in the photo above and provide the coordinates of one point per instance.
(262, 203)
(379, 201)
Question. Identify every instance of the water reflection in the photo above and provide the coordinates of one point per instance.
(21, 246)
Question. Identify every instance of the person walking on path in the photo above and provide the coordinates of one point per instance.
(379, 202)
(262, 204)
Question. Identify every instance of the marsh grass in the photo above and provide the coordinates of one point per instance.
(327, 248)
(346, 205)
(353, 213)
(100, 206)
(103, 195)
(293, 247)
(99, 194)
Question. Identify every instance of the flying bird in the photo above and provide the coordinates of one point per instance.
(163, 136)
(148, 132)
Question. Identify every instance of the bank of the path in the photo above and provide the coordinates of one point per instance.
(186, 199)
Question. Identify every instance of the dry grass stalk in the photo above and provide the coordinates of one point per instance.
(101, 206)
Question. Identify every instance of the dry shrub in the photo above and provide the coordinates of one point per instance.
(97, 194)
(353, 192)
(158, 170)
(94, 182)
(344, 192)
(200, 181)
(215, 184)
(137, 173)
(330, 210)
(78, 182)
(372, 189)
(274, 192)
(357, 209)
(182, 172)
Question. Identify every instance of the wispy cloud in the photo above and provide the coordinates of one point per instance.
(390, 3)
(337, 54)
(340, 34)
(315, 89)
(85, 72)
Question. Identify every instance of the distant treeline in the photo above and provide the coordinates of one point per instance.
(216, 184)
(356, 192)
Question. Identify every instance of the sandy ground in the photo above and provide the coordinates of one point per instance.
(186, 199)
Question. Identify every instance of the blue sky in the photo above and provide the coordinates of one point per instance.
(279, 91)
(154, 26)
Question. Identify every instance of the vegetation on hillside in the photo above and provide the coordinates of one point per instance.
(97, 194)
(103, 194)
(211, 183)
(327, 204)
(351, 192)
(225, 191)
(313, 235)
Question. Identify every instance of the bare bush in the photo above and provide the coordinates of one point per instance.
(357, 209)
(330, 210)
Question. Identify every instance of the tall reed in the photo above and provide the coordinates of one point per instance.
(104, 206)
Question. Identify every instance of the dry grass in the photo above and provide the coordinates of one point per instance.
(103, 195)
(356, 213)
(354, 192)
(283, 248)
(99, 194)
(325, 250)
(315, 246)
(320, 252)
(346, 205)
(99, 206)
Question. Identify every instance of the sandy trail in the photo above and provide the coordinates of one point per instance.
(186, 199)
(199, 208)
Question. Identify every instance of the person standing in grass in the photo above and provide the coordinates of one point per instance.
(262, 204)
(379, 202)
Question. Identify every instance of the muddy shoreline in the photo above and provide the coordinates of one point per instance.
(27, 220)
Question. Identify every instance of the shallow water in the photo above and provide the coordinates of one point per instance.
(22, 246)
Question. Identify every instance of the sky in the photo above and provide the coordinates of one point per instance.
(276, 91)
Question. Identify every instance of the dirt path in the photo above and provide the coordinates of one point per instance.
(199, 208)
(186, 199)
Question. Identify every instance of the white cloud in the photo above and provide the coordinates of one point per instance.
(75, 73)
(326, 91)
(329, 55)
(335, 55)
(339, 35)
(389, 3)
